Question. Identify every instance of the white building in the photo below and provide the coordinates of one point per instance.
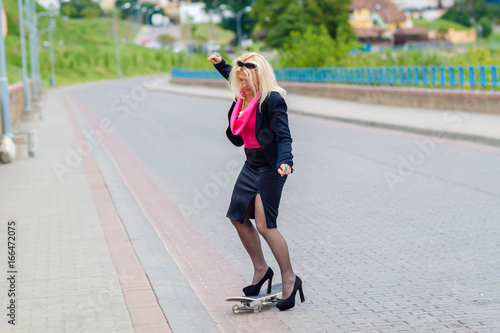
(55, 4)
(194, 13)
(427, 9)
(422, 4)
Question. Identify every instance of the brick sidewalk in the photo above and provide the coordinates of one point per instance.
(66, 278)
(108, 249)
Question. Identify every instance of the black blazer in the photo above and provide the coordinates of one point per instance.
(271, 126)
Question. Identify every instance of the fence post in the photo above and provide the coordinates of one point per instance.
(494, 77)
(443, 77)
(472, 77)
(482, 78)
(433, 77)
(461, 77)
(451, 78)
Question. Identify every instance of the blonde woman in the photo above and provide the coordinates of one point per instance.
(258, 120)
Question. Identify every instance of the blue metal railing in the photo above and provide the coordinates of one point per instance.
(437, 77)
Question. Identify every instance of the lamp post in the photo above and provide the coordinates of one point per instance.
(50, 28)
(52, 25)
(8, 148)
(117, 43)
(27, 105)
(31, 19)
(143, 11)
(132, 15)
(36, 46)
(238, 22)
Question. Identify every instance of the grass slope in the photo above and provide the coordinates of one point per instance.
(440, 25)
(84, 51)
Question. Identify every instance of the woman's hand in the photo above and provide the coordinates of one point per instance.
(215, 58)
(285, 170)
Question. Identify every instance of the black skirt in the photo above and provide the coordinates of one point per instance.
(256, 177)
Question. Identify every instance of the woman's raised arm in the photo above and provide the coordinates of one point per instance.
(219, 63)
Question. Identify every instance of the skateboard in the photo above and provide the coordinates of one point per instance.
(263, 297)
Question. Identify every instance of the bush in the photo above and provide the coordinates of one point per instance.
(486, 25)
(165, 40)
(315, 48)
(458, 16)
(69, 11)
(90, 12)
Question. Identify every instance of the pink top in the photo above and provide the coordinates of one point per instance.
(244, 124)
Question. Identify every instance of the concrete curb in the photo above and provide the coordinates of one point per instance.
(490, 141)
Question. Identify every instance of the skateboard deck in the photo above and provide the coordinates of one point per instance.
(263, 297)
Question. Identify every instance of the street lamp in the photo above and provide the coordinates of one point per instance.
(31, 24)
(10, 149)
(52, 26)
(238, 22)
(143, 10)
(36, 49)
(27, 105)
(117, 44)
(132, 14)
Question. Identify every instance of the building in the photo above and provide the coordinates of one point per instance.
(427, 9)
(382, 22)
(167, 5)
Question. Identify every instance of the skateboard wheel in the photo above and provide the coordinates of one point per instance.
(257, 308)
(236, 309)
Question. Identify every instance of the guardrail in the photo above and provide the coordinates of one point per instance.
(436, 77)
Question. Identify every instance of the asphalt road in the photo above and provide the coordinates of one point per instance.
(389, 231)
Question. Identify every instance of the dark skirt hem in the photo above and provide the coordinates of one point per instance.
(256, 177)
(252, 216)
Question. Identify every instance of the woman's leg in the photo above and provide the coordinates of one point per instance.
(278, 246)
(251, 241)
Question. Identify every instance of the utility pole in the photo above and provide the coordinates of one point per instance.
(7, 149)
(27, 105)
(117, 42)
(31, 18)
(52, 25)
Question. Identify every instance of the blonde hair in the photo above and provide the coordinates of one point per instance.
(261, 78)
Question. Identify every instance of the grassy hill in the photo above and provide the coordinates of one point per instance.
(85, 51)
(440, 25)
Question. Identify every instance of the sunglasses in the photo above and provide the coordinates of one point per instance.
(248, 65)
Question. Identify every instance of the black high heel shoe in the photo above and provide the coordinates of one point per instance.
(254, 289)
(289, 302)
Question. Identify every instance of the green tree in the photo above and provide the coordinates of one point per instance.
(458, 16)
(84, 8)
(69, 11)
(468, 11)
(486, 25)
(316, 48)
(278, 18)
(90, 12)
(291, 20)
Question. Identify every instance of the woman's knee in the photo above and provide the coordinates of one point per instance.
(235, 223)
(240, 225)
(262, 227)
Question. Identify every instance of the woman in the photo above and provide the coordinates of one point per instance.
(258, 120)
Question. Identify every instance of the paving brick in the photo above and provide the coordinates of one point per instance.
(421, 258)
